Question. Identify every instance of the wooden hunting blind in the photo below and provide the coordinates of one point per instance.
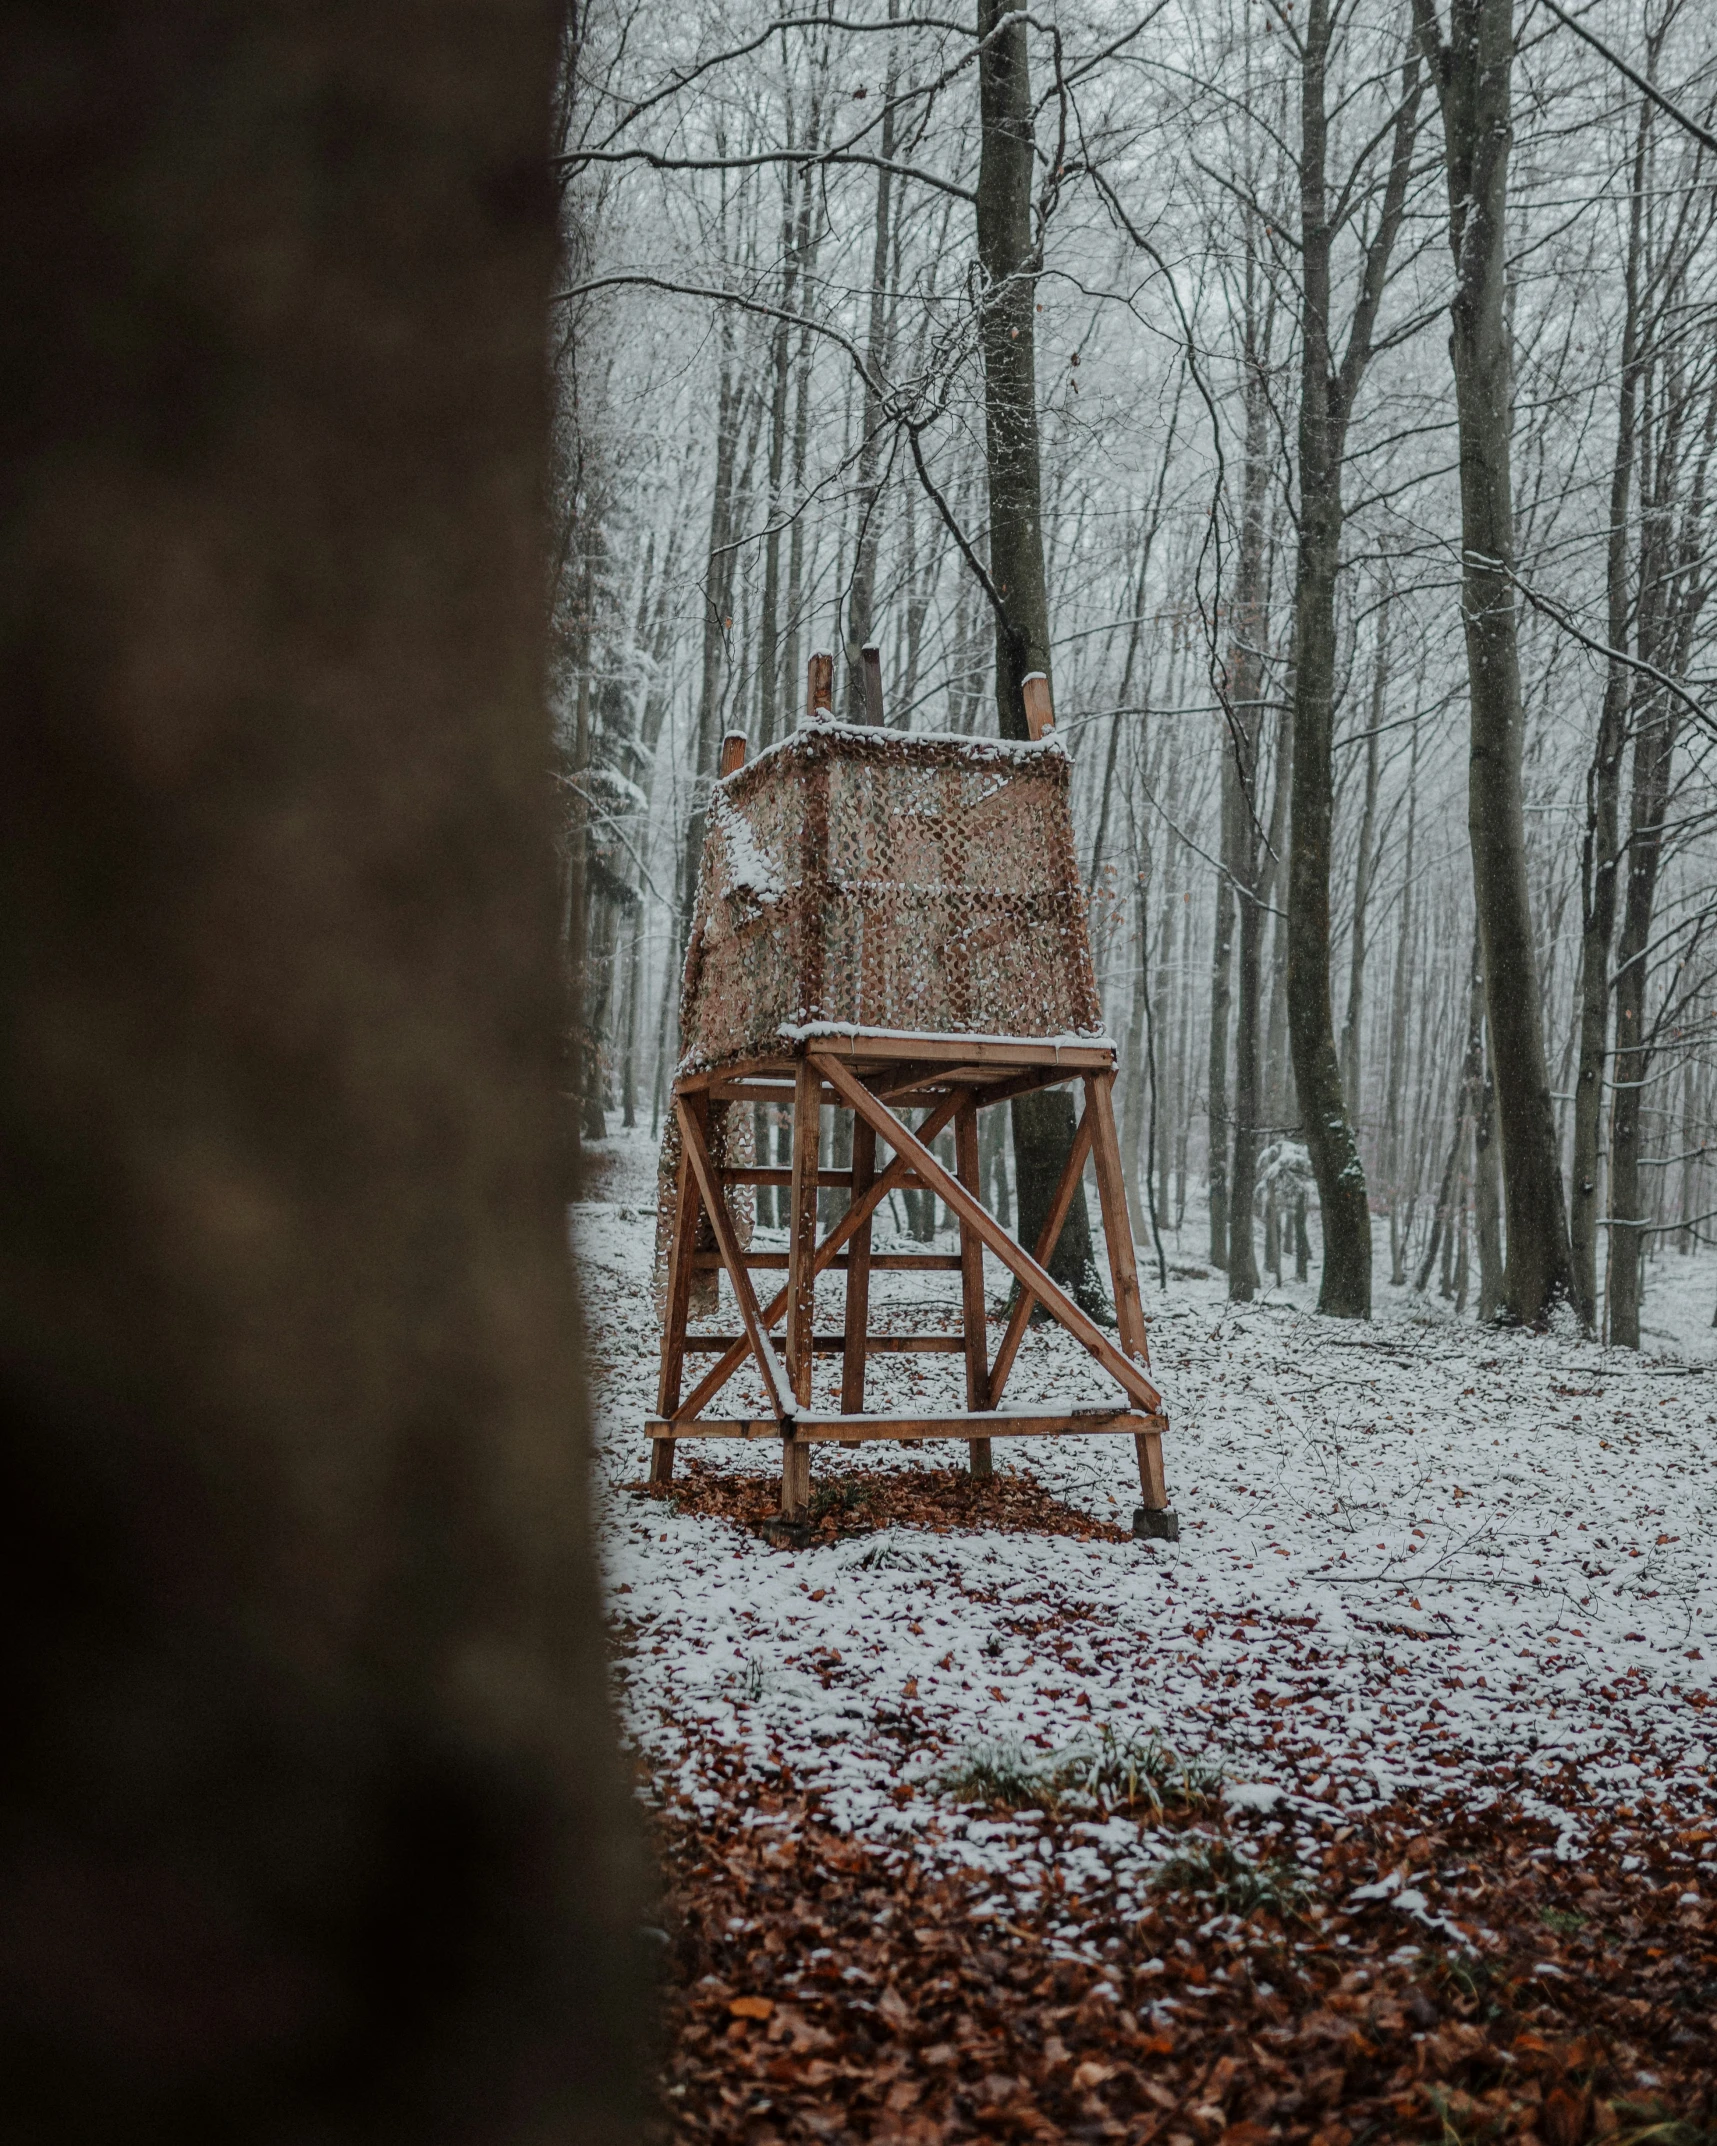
(887, 921)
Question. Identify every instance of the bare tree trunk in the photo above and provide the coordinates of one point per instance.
(770, 697)
(1399, 995)
(1654, 751)
(861, 591)
(1473, 74)
(1601, 849)
(1221, 971)
(1246, 848)
(718, 593)
(1008, 258)
(1135, 1098)
(1255, 897)
(315, 1826)
(1365, 865)
(1327, 395)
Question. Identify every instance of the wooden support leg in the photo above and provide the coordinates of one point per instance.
(1123, 1268)
(681, 1245)
(858, 1279)
(1151, 1478)
(801, 1272)
(795, 1480)
(972, 1286)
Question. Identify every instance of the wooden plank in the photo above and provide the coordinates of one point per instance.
(889, 1262)
(871, 661)
(774, 1381)
(1123, 1266)
(997, 1085)
(1048, 1238)
(745, 1173)
(1153, 1480)
(972, 1306)
(836, 1345)
(858, 1264)
(1019, 1263)
(994, 1423)
(713, 1381)
(1117, 1223)
(1070, 1058)
(762, 1092)
(736, 1069)
(682, 1265)
(802, 1231)
(795, 1479)
(1039, 708)
(819, 687)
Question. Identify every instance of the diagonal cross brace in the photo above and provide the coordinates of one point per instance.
(1018, 1262)
(857, 1213)
(781, 1400)
(1049, 1237)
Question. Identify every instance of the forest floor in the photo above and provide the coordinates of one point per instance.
(1379, 1806)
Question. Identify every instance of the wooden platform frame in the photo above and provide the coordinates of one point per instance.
(877, 1076)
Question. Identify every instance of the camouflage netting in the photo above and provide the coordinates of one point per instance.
(730, 1144)
(874, 879)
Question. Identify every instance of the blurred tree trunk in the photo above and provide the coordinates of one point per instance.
(1008, 257)
(313, 1825)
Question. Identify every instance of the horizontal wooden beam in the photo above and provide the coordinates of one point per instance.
(836, 1344)
(965, 1051)
(913, 1086)
(746, 1173)
(895, 1262)
(852, 1430)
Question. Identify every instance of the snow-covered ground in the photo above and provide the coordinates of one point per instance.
(1414, 1555)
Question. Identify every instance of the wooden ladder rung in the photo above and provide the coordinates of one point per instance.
(836, 1344)
(812, 1429)
(892, 1262)
(747, 1173)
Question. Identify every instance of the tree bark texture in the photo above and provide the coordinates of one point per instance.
(1248, 846)
(1474, 79)
(1653, 758)
(1221, 990)
(1328, 391)
(1007, 257)
(1365, 867)
(861, 592)
(313, 1825)
(1009, 264)
(1601, 849)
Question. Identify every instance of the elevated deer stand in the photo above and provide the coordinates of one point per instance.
(890, 922)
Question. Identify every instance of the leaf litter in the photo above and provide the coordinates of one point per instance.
(1429, 1675)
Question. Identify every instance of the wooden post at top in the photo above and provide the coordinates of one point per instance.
(732, 753)
(1039, 711)
(820, 688)
(871, 660)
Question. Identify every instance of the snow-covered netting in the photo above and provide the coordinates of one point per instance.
(878, 880)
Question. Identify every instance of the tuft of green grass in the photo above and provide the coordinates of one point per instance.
(1214, 1870)
(1653, 2125)
(841, 1499)
(1116, 1773)
(1564, 1921)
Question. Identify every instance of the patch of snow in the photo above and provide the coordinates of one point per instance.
(1415, 1557)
